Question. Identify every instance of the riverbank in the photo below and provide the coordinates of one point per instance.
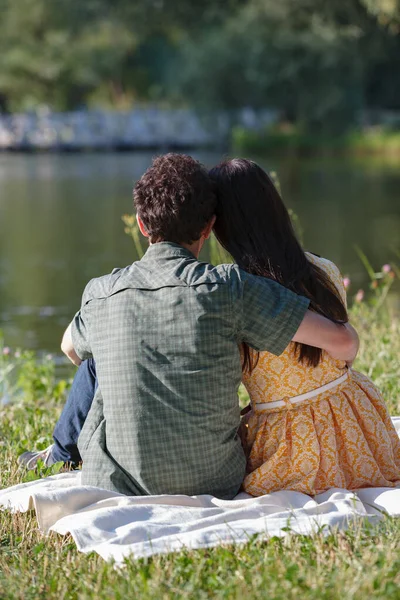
(363, 562)
(290, 140)
(246, 132)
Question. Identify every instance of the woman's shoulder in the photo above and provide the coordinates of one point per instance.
(331, 270)
(324, 263)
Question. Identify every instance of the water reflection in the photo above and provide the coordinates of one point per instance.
(60, 225)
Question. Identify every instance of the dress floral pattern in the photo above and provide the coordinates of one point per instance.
(341, 438)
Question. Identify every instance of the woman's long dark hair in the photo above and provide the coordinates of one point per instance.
(254, 226)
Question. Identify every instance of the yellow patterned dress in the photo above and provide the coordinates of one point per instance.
(342, 437)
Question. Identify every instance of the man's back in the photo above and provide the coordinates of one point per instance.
(168, 367)
(165, 334)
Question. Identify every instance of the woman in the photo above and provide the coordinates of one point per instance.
(314, 423)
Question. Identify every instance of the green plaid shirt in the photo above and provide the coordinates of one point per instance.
(165, 334)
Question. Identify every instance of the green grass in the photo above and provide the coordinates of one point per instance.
(362, 563)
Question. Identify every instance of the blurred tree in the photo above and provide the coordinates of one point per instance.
(386, 11)
(318, 61)
(311, 59)
(65, 53)
(58, 52)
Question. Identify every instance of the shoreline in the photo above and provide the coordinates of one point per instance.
(359, 142)
(181, 130)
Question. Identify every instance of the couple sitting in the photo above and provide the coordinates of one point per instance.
(164, 343)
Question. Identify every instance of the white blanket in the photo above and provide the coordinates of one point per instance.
(117, 526)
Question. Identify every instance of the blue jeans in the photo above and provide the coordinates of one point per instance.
(73, 416)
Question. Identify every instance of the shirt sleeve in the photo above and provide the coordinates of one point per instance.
(269, 315)
(79, 326)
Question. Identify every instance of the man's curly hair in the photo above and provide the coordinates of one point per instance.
(175, 199)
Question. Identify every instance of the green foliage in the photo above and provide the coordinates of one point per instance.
(386, 11)
(24, 375)
(9, 367)
(286, 139)
(381, 283)
(379, 329)
(316, 62)
(217, 254)
(59, 53)
(29, 390)
(374, 141)
(296, 59)
(132, 229)
(37, 379)
(68, 53)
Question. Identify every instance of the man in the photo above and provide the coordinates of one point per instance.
(165, 335)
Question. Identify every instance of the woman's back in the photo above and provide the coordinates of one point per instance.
(276, 377)
(313, 428)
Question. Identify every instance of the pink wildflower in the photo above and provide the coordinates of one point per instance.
(360, 296)
(6, 350)
(346, 282)
(386, 268)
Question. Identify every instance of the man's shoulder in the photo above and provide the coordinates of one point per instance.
(198, 272)
(103, 286)
(192, 273)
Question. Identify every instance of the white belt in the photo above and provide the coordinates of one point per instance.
(266, 406)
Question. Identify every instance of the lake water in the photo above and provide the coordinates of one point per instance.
(60, 225)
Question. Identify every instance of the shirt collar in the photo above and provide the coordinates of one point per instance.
(162, 250)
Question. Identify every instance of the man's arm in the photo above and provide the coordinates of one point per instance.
(340, 341)
(68, 348)
(75, 343)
